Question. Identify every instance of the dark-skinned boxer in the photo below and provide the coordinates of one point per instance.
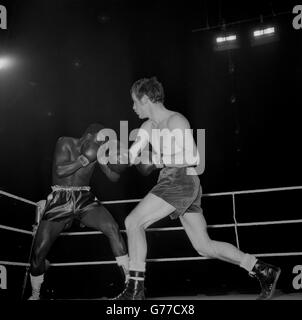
(71, 198)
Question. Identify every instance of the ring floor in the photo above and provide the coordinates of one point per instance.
(279, 295)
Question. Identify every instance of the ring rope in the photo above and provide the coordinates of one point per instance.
(121, 201)
(252, 191)
(229, 193)
(204, 195)
(15, 229)
(235, 224)
(226, 225)
(10, 263)
(87, 263)
(18, 198)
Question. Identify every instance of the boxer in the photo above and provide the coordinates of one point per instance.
(74, 161)
(177, 194)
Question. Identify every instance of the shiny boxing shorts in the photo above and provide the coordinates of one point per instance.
(67, 203)
(180, 189)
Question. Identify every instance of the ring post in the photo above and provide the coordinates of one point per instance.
(39, 209)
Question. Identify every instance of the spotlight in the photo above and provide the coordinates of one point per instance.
(264, 35)
(263, 32)
(6, 62)
(224, 39)
(226, 42)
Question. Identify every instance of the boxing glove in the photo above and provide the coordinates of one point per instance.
(115, 155)
(89, 151)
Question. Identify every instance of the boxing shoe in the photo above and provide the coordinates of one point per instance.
(268, 276)
(135, 289)
(124, 273)
(35, 295)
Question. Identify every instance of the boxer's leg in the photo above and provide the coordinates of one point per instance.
(148, 211)
(196, 228)
(99, 218)
(47, 233)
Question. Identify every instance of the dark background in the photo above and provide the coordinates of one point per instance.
(76, 63)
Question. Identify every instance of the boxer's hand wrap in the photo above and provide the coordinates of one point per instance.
(83, 160)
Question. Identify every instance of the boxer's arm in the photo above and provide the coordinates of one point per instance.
(183, 138)
(148, 162)
(141, 141)
(145, 169)
(111, 175)
(63, 165)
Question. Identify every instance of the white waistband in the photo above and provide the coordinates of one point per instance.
(191, 171)
(70, 188)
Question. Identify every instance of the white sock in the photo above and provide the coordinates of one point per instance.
(123, 261)
(36, 282)
(137, 266)
(248, 262)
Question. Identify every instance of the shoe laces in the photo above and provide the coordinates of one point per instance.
(121, 294)
(35, 294)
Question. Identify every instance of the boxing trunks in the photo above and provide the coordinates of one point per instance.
(67, 203)
(180, 189)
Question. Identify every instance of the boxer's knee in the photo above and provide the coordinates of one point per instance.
(132, 223)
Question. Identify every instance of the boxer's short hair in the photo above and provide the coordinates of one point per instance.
(150, 87)
(94, 128)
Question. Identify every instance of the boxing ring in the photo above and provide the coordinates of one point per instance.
(233, 195)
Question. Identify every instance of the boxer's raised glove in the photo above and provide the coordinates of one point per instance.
(89, 152)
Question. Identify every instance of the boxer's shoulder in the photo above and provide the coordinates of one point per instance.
(62, 139)
(177, 120)
(149, 124)
(147, 127)
(65, 142)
